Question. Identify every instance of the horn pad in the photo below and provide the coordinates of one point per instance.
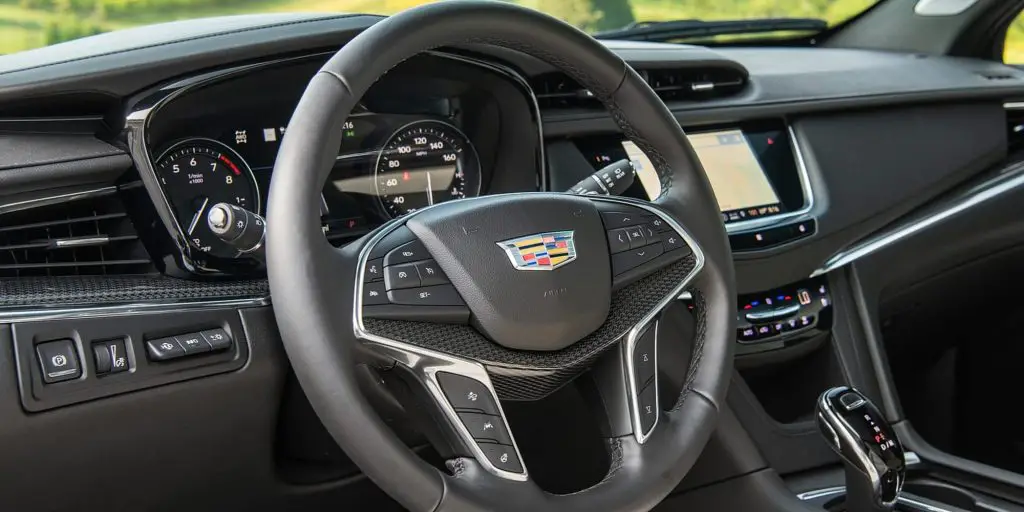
(534, 268)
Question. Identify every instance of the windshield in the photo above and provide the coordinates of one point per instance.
(26, 24)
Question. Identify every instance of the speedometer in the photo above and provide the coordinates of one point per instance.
(425, 163)
(197, 174)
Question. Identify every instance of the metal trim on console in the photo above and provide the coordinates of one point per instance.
(138, 121)
(1007, 180)
(11, 315)
(39, 202)
(805, 187)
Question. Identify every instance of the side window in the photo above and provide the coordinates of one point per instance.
(1013, 50)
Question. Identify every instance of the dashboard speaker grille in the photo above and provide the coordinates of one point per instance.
(89, 235)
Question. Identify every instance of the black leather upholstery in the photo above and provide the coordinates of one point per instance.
(316, 322)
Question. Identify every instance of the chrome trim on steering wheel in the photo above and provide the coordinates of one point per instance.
(634, 334)
(426, 363)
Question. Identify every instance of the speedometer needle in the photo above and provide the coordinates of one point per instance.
(199, 214)
(430, 190)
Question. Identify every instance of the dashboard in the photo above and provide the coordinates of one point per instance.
(859, 148)
(437, 128)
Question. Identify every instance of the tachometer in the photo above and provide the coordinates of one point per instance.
(424, 163)
(197, 174)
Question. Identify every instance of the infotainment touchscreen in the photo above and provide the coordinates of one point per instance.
(741, 186)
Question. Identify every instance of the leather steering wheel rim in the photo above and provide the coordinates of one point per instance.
(305, 272)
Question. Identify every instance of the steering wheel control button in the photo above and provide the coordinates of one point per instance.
(466, 394)
(401, 276)
(412, 251)
(110, 356)
(374, 270)
(375, 294)
(648, 402)
(485, 427)
(164, 349)
(430, 273)
(633, 258)
(651, 234)
(193, 343)
(621, 219)
(672, 241)
(636, 237)
(502, 456)
(618, 241)
(58, 361)
(443, 295)
(644, 362)
(217, 338)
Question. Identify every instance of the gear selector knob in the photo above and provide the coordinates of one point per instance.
(871, 452)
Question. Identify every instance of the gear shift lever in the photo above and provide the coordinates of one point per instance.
(873, 456)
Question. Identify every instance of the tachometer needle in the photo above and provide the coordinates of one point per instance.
(199, 214)
(430, 190)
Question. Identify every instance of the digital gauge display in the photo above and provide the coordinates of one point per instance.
(425, 163)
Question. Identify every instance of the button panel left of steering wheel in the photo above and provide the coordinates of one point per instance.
(71, 360)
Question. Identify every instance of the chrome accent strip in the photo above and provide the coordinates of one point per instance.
(72, 312)
(1014, 105)
(805, 187)
(634, 334)
(55, 199)
(65, 243)
(427, 363)
(138, 121)
(911, 458)
(1008, 180)
(821, 493)
(829, 492)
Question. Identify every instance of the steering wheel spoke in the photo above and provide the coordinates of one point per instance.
(467, 404)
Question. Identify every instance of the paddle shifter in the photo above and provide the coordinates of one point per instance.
(873, 456)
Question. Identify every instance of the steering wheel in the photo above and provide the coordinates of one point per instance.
(505, 296)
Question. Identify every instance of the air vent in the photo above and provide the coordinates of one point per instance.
(89, 235)
(1015, 129)
(558, 91)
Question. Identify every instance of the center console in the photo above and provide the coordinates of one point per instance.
(756, 170)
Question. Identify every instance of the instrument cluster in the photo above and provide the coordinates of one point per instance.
(428, 132)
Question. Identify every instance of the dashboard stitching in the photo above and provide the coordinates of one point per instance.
(196, 38)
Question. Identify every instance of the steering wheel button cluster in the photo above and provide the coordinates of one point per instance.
(486, 427)
(502, 456)
(412, 251)
(401, 276)
(466, 394)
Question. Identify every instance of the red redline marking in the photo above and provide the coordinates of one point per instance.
(231, 164)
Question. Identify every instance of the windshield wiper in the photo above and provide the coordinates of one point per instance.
(679, 29)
